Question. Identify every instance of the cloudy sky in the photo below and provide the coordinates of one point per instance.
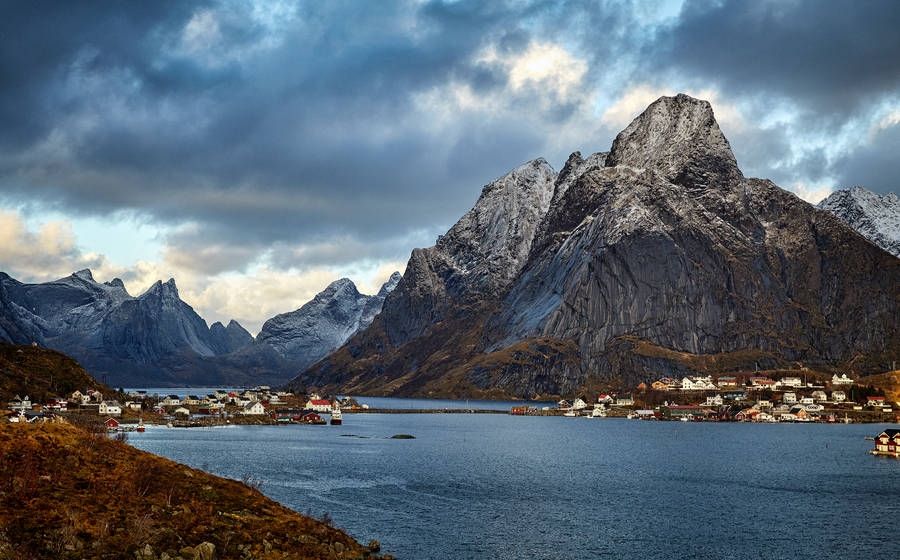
(256, 151)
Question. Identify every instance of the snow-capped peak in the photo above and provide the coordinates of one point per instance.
(680, 138)
(875, 217)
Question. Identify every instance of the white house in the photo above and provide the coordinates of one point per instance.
(579, 404)
(838, 396)
(254, 408)
(625, 400)
(790, 382)
(20, 403)
(319, 405)
(763, 403)
(181, 411)
(171, 400)
(715, 400)
(110, 408)
(842, 380)
(819, 396)
(191, 400)
(814, 408)
(806, 399)
(789, 398)
(133, 405)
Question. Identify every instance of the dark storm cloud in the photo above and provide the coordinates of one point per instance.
(292, 130)
(874, 164)
(831, 57)
(259, 143)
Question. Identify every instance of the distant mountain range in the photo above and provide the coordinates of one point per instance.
(158, 339)
(874, 216)
(656, 258)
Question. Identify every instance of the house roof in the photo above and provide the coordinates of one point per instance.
(319, 402)
(890, 432)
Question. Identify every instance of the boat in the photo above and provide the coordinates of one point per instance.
(570, 413)
(336, 417)
(140, 426)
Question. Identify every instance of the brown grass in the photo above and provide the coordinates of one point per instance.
(67, 493)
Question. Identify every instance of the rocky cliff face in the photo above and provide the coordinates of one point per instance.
(874, 216)
(226, 340)
(628, 265)
(476, 259)
(324, 323)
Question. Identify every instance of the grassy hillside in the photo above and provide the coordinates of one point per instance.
(888, 381)
(68, 493)
(42, 373)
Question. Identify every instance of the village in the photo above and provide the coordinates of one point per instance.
(259, 405)
(751, 398)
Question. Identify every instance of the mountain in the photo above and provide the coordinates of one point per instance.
(656, 258)
(324, 323)
(158, 339)
(226, 340)
(154, 338)
(874, 216)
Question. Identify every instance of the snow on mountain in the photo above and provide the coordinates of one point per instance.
(875, 217)
(325, 322)
(151, 338)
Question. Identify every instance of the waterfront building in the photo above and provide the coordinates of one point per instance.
(888, 442)
(319, 405)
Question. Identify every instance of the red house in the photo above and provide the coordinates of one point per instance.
(111, 423)
(309, 418)
(887, 443)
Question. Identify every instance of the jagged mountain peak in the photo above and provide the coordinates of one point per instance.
(341, 286)
(491, 241)
(679, 138)
(163, 291)
(323, 323)
(84, 274)
(875, 217)
(390, 284)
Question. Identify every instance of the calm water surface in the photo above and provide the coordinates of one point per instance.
(499, 486)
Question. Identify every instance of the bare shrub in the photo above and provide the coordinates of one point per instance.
(251, 482)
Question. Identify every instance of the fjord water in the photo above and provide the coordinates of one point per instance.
(500, 486)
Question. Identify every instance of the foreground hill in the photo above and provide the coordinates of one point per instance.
(42, 374)
(627, 265)
(67, 493)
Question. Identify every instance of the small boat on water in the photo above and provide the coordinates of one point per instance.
(140, 426)
(570, 413)
(336, 417)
